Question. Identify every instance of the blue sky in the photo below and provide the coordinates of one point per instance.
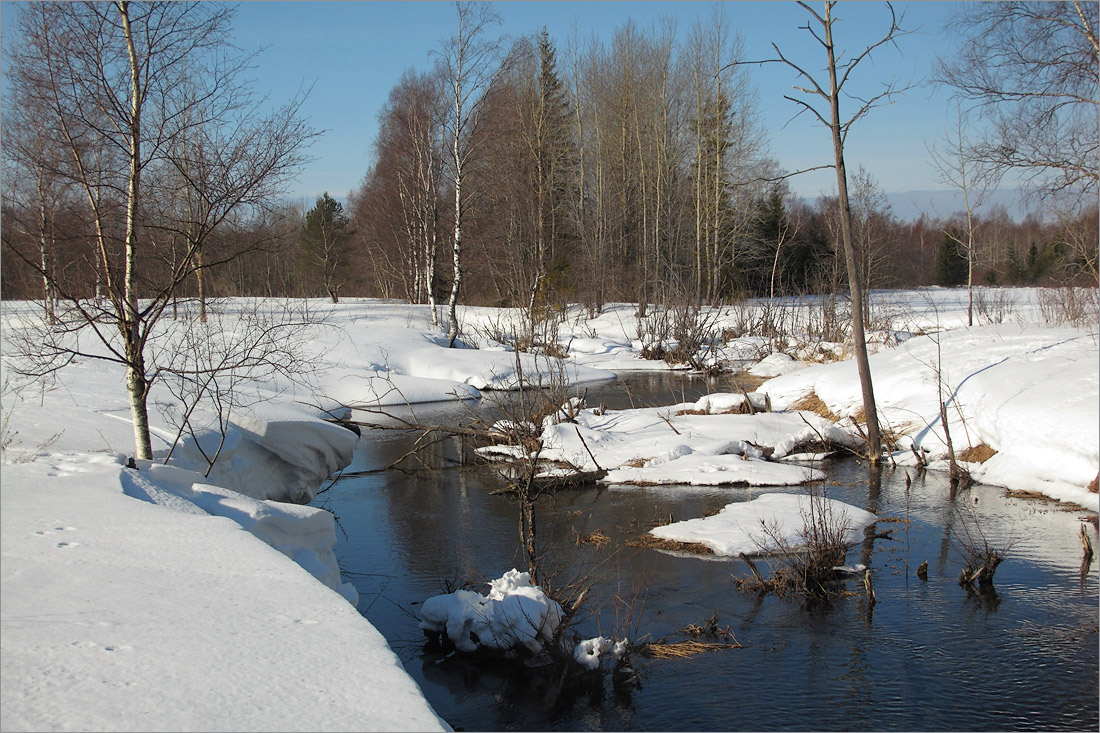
(352, 53)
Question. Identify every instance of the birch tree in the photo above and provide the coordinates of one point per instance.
(115, 79)
(468, 63)
(962, 169)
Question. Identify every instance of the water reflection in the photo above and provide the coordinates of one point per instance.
(933, 656)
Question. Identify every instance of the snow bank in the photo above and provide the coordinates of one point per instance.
(285, 455)
(304, 534)
(775, 364)
(1031, 393)
(755, 527)
(511, 615)
(120, 614)
(692, 443)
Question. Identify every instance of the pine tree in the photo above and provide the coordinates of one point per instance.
(323, 244)
(951, 266)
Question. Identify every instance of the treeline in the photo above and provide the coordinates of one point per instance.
(632, 171)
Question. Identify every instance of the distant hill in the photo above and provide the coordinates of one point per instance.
(909, 205)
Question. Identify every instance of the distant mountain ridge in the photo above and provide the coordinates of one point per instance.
(909, 205)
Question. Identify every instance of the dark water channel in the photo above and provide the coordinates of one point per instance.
(931, 656)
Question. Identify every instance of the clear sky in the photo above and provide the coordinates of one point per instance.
(352, 53)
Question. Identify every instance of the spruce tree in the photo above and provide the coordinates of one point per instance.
(323, 245)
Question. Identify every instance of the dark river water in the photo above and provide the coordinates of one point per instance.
(930, 655)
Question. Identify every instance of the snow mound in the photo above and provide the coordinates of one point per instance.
(715, 470)
(755, 527)
(775, 364)
(140, 615)
(591, 652)
(514, 614)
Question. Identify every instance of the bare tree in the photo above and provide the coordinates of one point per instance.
(1030, 69)
(960, 168)
(117, 80)
(468, 64)
(829, 92)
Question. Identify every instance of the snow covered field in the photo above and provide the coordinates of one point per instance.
(158, 598)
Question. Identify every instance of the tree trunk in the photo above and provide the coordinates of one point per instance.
(452, 301)
(874, 439)
(136, 380)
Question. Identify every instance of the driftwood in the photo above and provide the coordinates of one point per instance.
(1086, 545)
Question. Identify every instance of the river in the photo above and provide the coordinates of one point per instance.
(930, 655)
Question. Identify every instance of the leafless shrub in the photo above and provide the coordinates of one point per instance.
(808, 570)
(994, 305)
(981, 557)
(535, 335)
(1078, 306)
(683, 334)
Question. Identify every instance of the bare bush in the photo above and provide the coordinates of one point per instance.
(682, 335)
(536, 333)
(994, 305)
(811, 568)
(981, 557)
(1078, 306)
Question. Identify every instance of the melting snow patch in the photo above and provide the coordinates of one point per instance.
(753, 527)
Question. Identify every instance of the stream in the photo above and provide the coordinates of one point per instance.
(930, 655)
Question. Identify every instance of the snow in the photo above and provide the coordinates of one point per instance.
(513, 614)
(122, 614)
(775, 364)
(589, 653)
(1030, 392)
(695, 444)
(161, 598)
(759, 526)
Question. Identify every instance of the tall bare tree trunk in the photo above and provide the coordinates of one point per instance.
(136, 379)
(874, 438)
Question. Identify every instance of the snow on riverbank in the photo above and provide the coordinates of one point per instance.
(766, 523)
(1031, 393)
(137, 600)
(122, 614)
(133, 600)
(691, 444)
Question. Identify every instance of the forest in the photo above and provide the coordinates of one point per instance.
(636, 171)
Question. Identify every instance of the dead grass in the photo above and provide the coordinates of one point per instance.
(637, 462)
(680, 649)
(1065, 506)
(977, 454)
(812, 403)
(1094, 485)
(746, 382)
(649, 542)
(689, 411)
(597, 538)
